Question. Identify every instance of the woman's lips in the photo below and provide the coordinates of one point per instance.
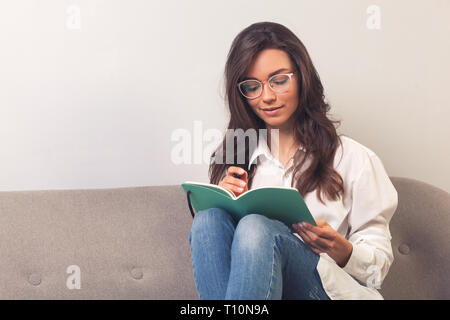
(272, 112)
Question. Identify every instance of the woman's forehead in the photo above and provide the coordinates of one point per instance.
(267, 63)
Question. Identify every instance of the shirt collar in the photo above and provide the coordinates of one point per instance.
(263, 149)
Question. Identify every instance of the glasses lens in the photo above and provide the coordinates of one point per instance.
(250, 88)
(280, 83)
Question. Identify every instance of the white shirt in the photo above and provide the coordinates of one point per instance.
(362, 216)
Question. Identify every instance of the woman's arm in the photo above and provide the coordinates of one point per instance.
(374, 201)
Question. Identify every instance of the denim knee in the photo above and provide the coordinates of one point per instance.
(252, 230)
(208, 219)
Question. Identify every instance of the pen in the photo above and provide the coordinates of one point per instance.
(236, 175)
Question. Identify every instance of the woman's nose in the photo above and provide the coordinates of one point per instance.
(267, 93)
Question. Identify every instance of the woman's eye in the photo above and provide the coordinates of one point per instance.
(250, 88)
(280, 82)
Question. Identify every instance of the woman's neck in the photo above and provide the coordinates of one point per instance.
(282, 144)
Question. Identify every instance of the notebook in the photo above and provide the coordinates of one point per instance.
(280, 203)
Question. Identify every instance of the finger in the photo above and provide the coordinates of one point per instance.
(233, 188)
(313, 240)
(321, 223)
(320, 231)
(313, 248)
(244, 176)
(241, 181)
(306, 238)
(238, 173)
(318, 241)
(237, 170)
(235, 181)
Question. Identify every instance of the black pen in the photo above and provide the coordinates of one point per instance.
(236, 175)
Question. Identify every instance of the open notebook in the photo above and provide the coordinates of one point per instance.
(280, 203)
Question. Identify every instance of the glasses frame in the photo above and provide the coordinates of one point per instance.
(262, 84)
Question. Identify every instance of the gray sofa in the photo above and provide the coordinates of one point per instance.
(132, 243)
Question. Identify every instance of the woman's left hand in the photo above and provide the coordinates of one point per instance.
(323, 238)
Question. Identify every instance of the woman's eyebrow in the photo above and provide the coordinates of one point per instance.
(271, 74)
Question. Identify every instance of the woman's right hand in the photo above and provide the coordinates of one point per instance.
(235, 185)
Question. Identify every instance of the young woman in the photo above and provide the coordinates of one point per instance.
(344, 184)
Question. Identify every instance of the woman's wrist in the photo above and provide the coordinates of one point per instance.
(342, 253)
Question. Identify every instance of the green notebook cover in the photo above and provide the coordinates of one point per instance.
(280, 203)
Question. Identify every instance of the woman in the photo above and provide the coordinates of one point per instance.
(344, 184)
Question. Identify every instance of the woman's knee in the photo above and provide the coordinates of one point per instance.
(209, 218)
(253, 230)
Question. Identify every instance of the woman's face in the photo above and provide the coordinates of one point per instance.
(266, 63)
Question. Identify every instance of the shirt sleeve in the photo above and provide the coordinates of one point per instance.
(374, 201)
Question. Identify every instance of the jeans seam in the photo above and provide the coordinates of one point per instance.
(315, 270)
(273, 260)
(273, 266)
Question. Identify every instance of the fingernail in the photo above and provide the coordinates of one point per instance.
(300, 225)
(241, 171)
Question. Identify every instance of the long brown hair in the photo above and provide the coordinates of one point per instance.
(312, 128)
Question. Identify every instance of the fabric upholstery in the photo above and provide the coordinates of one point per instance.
(132, 243)
(111, 234)
(420, 231)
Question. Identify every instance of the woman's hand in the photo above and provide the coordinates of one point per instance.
(235, 185)
(323, 238)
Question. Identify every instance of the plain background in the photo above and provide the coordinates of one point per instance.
(91, 91)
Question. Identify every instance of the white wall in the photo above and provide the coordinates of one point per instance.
(91, 100)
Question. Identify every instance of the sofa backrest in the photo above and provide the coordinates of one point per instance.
(420, 230)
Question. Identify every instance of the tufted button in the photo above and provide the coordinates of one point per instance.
(404, 249)
(34, 279)
(137, 273)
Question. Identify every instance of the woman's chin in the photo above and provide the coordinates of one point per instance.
(275, 123)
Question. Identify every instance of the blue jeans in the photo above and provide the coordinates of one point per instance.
(255, 259)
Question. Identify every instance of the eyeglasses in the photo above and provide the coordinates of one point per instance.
(252, 89)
